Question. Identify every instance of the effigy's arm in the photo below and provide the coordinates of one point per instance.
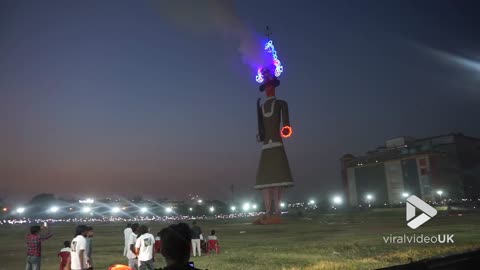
(261, 129)
(286, 130)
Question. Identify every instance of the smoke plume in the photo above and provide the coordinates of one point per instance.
(219, 17)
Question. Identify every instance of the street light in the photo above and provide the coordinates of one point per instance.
(168, 209)
(212, 209)
(405, 194)
(115, 209)
(246, 206)
(337, 200)
(440, 192)
(86, 209)
(311, 202)
(199, 201)
(190, 209)
(233, 208)
(20, 210)
(53, 209)
(282, 205)
(254, 206)
(143, 209)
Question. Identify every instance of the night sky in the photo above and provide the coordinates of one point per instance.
(114, 97)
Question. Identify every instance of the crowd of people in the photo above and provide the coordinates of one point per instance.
(175, 243)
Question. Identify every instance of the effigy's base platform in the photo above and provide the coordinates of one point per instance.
(267, 220)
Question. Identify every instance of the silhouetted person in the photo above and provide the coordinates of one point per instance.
(89, 249)
(176, 242)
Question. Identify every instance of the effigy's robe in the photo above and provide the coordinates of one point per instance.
(273, 170)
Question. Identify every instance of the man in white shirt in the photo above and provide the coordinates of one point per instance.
(126, 236)
(131, 256)
(144, 248)
(78, 256)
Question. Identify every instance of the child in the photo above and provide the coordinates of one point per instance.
(158, 243)
(213, 242)
(212, 236)
(64, 254)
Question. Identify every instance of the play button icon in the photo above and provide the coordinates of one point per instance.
(428, 212)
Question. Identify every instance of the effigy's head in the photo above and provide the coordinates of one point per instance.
(270, 82)
(271, 68)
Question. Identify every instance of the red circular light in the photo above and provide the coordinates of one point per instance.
(119, 267)
(286, 132)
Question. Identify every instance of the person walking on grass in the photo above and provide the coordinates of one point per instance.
(78, 255)
(131, 256)
(64, 255)
(34, 246)
(88, 250)
(126, 237)
(196, 233)
(144, 248)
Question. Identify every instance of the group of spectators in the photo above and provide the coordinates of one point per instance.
(174, 242)
(177, 241)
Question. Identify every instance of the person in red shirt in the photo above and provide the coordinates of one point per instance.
(158, 243)
(64, 254)
(34, 246)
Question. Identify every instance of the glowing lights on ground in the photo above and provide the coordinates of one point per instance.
(369, 197)
(169, 210)
(212, 209)
(337, 200)
(440, 192)
(53, 209)
(115, 210)
(254, 206)
(144, 210)
(190, 209)
(86, 209)
(233, 208)
(405, 194)
(282, 205)
(246, 206)
(20, 210)
(311, 202)
(270, 48)
(286, 132)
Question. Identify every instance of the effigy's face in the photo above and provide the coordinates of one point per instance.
(267, 74)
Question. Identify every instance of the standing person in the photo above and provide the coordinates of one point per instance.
(196, 233)
(144, 248)
(131, 256)
(176, 242)
(34, 246)
(126, 236)
(88, 250)
(78, 255)
(64, 254)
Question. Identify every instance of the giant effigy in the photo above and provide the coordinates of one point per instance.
(273, 173)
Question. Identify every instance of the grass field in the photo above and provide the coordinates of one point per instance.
(329, 241)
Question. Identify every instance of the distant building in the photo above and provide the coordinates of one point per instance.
(405, 165)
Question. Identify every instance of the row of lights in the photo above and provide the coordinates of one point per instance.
(336, 200)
